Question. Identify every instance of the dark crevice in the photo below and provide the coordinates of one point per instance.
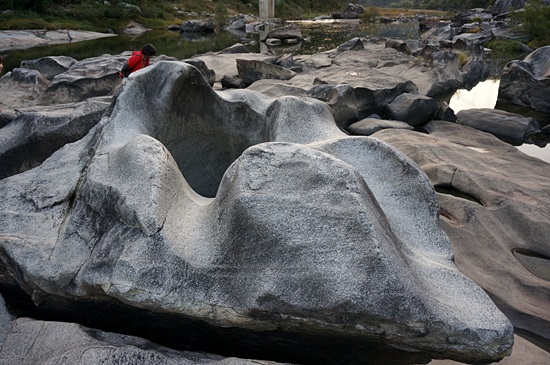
(536, 263)
(449, 190)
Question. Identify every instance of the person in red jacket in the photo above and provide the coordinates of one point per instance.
(138, 60)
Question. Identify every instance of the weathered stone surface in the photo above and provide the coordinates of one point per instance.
(226, 63)
(208, 74)
(25, 87)
(252, 70)
(39, 342)
(290, 31)
(20, 39)
(509, 127)
(277, 259)
(50, 66)
(368, 126)
(229, 82)
(36, 132)
(91, 77)
(198, 26)
(527, 82)
(413, 109)
(493, 201)
(6, 320)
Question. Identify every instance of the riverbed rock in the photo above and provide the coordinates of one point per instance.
(25, 86)
(413, 109)
(368, 126)
(494, 208)
(508, 127)
(50, 66)
(527, 82)
(37, 132)
(286, 32)
(91, 77)
(252, 70)
(246, 219)
(198, 26)
(21, 39)
(46, 342)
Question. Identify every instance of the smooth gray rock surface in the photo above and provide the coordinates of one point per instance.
(493, 203)
(509, 127)
(25, 87)
(527, 82)
(50, 66)
(32, 342)
(252, 70)
(250, 217)
(368, 126)
(37, 132)
(413, 109)
(91, 77)
(21, 39)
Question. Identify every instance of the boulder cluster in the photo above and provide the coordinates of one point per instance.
(255, 208)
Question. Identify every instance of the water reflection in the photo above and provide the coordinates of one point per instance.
(484, 95)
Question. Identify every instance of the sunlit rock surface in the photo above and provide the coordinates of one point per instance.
(245, 218)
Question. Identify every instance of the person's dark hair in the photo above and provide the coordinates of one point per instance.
(1, 59)
(149, 50)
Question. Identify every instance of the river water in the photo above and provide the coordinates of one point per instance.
(322, 36)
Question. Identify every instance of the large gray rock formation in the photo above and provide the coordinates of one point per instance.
(527, 82)
(494, 208)
(412, 108)
(33, 342)
(20, 39)
(50, 66)
(96, 76)
(245, 218)
(35, 133)
(25, 87)
(509, 127)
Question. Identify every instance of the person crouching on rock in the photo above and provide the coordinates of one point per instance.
(138, 60)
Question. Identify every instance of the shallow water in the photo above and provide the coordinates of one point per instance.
(484, 95)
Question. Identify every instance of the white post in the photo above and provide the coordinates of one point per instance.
(267, 9)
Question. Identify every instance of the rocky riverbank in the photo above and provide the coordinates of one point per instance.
(233, 204)
(21, 39)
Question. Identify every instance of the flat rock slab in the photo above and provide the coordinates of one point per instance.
(21, 39)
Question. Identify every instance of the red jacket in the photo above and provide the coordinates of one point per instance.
(137, 61)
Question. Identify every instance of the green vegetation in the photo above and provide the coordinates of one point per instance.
(535, 20)
(115, 14)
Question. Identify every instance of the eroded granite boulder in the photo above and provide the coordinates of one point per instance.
(32, 342)
(50, 66)
(249, 218)
(25, 87)
(36, 132)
